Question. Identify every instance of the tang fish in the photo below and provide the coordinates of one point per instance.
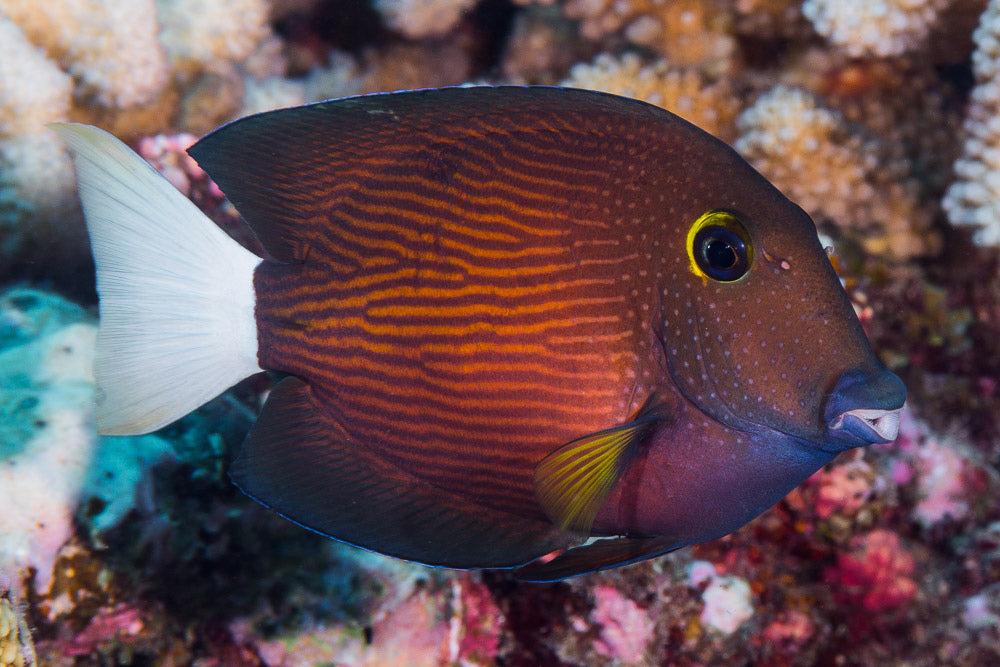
(516, 327)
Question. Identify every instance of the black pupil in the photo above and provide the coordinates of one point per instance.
(720, 254)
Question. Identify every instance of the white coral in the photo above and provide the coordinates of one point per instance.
(202, 35)
(33, 90)
(974, 198)
(687, 92)
(109, 47)
(51, 457)
(834, 172)
(874, 27)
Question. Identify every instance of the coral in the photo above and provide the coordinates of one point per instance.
(36, 175)
(542, 43)
(790, 630)
(874, 27)
(34, 90)
(769, 18)
(974, 198)
(712, 106)
(50, 450)
(208, 35)
(409, 66)
(423, 18)
(890, 555)
(687, 32)
(728, 604)
(47, 437)
(167, 154)
(875, 573)
(626, 628)
(342, 77)
(412, 621)
(979, 614)
(943, 484)
(835, 173)
(119, 624)
(120, 67)
(16, 648)
(843, 489)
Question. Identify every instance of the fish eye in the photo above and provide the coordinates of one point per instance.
(719, 247)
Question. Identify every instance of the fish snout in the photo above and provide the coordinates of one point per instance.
(864, 408)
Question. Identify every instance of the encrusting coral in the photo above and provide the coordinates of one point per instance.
(974, 198)
(16, 648)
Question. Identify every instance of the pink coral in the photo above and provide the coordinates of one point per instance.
(942, 483)
(167, 154)
(476, 623)
(626, 629)
(790, 629)
(876, 573)
(107, 626)
(843, 489)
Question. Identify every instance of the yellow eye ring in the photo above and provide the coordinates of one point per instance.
(719, 247)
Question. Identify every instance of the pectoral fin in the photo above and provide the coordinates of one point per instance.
(598, 555)
(575, 480)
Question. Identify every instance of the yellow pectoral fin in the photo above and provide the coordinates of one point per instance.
(575, 480)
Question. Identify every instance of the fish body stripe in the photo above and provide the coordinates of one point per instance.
(462, 301)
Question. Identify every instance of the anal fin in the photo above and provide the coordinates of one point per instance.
(598, 555)
(299, 462)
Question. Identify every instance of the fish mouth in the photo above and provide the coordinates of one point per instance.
(868, 425)
(864, 408)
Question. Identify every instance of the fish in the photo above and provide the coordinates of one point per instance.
(538, 329)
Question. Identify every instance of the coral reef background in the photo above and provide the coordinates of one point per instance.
(881, 118)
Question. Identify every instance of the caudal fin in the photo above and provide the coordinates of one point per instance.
(176, 293)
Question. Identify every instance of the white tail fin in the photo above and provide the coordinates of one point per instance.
(176, 293)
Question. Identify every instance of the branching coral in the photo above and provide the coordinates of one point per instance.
(33, 90)
(104, 62)
(712, 106)
(974, 199)
(110, 47)
(206, 35)
(686, 32)
(34, 168)
(874, 27)
(820, 161)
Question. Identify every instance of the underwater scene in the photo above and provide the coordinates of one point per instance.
(579, 383)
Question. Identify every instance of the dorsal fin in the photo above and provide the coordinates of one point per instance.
(287, 168)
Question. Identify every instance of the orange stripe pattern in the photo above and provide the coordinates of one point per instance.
(458, 285)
